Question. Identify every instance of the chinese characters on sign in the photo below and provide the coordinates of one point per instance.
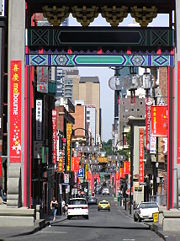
(159, 120)
(148, 122)
(38, 120)
(15, 110)
(141, 155)
(54, 123)
(68, 135)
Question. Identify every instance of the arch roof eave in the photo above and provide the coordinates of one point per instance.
(164, 6)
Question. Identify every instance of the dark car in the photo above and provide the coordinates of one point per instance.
(92, 200)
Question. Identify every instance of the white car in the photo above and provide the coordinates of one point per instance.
(105, 191)
(145, 210)
(77, 207)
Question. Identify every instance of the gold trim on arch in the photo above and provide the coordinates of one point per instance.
(114, 15)
(55, 15)
(85, 15)
(143, 15)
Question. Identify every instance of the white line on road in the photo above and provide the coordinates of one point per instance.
(125, 239)
(52, 232)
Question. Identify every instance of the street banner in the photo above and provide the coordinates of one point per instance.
(68, 148)
(121, 172)
(15, 111)
(76, 164)
(141, 155)
(178, 115)
(54, 126)
(38, 120)
(117, 175)
(148, 121)
(159, 120)
(72, 164)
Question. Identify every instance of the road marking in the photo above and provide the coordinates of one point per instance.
(53, 232)
(128, 239)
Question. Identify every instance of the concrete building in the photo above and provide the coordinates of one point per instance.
(80, 122)
(126, 109)
(91, 122)
(89, 91)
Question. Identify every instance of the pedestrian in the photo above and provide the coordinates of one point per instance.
(63, 207)
(54, 207)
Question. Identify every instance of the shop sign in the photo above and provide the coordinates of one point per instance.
(39, 120)
(54, 126)
(42, 79)
(15, 110)
(68, 136)
(148, 122)
(66, 178)
(38, 149)
(141, 155)
(60, 165)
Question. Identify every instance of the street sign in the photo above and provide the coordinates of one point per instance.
(81, 172)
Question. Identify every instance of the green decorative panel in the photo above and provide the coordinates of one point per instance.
(100, 60)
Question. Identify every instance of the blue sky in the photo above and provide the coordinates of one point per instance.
(104, 73)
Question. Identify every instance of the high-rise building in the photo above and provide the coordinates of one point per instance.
(89, 91)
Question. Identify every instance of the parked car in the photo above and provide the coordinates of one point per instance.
(92, 200)
(105, 191)
(104, 205)
(145, 210)
(77, 207)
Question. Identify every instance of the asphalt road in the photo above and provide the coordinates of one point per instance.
(101, 226)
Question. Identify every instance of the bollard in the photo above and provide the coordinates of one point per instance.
(37, 212)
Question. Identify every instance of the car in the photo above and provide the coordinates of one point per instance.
(105, 191)
(77, 207)
(104, 205)
(145, 210)
(92, 200)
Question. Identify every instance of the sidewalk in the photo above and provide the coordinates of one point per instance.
(11, 232)
(157, 228)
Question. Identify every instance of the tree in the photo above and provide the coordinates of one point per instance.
(107, 147)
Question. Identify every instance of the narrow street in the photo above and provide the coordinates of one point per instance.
(101, 226)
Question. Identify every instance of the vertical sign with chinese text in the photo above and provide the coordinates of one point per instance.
(148, 122)
(159, 120)
(68, 147)
(54, 123)
(141, 155)
(38, 120)
(15, 110)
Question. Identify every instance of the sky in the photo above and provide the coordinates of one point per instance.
(104, 73)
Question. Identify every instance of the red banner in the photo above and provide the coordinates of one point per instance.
(15, 111)
(178, 114)
(159, 120)
(54, 125)
(141, 154)
(121, 173)
(148, 122)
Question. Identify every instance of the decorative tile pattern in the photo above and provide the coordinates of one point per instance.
(100, 60)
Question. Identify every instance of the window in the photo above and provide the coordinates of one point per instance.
(132, 109)
(138, 109)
